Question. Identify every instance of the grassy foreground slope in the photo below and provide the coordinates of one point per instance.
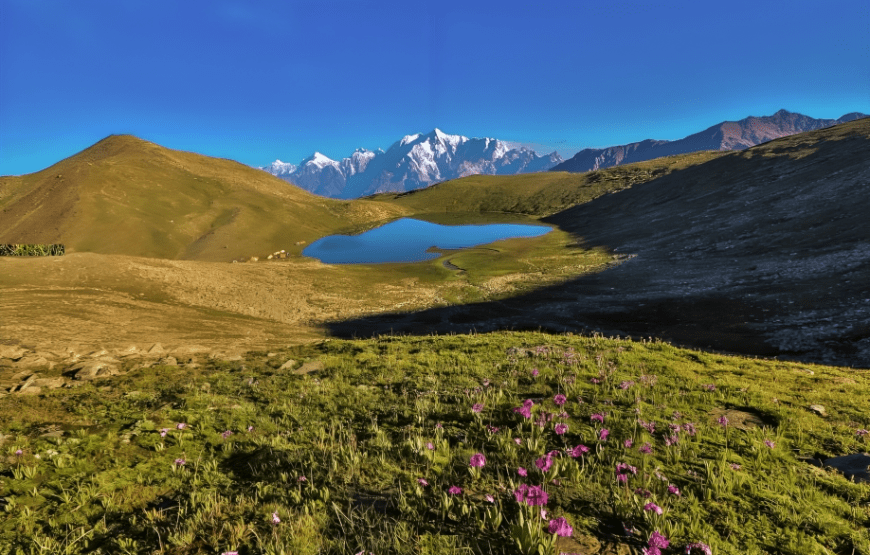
(124, 195)
(367, 446)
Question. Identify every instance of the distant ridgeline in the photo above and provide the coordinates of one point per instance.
(31, 250)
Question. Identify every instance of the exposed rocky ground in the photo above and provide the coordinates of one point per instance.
(761, 252)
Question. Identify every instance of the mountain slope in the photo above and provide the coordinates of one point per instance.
(764, 251)
(414, 162)
(728, 135)
(124, 195)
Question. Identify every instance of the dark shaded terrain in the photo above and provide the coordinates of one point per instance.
(762, 252)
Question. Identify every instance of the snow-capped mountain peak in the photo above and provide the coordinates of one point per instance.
(319, 160)
(413, 162)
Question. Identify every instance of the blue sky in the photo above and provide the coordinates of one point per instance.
(255, 81)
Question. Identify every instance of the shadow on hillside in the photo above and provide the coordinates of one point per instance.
(761, 255)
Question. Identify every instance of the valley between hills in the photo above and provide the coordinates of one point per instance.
(759, 252)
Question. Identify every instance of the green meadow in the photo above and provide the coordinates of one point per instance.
(497, 443)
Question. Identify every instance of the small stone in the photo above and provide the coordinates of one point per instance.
(168, 361)
(288, 365)
(309, 367)
(156, 349)
(12, 352)
(818, 409)
(49, 383)
(85, 371)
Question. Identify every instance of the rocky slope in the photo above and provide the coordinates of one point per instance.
(728, 135)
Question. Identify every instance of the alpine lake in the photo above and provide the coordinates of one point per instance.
(412, 240)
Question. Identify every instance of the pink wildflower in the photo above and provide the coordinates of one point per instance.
(536, 496)
(579, 451)
(226, 434)
(522, 471)
(477, 408)
(646, 448)
(603, 433)
(628, 443)
(734, 466)
(181, 425)
(674, 490)
(862, 432)
(477, 460)
(560, 399)
(544, 463)
(597, 417)
(180, 462)
(722, 421)
(302, 479)
(560, 527)
(275, 519)
(705, 549)
(430, 446)
(561, 428)
(163, 432)
(535, 372)
(454, 490)
(518, 441)
(423, 482)
(490, 498)
(769, 443)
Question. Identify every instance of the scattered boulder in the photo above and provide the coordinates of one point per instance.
(855, 466)
(31, 390)
(168, 361)
(91, 370)
(288, 365)
(308, 367)
(156, 350)
(33, 361)
(12, 352)
(818, 409)
(49, 383)
(27, 383)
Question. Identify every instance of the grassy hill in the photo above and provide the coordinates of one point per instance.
(124, 195)
(538, 194)
(356, 446)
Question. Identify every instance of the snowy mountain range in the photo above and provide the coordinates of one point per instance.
(414, 162)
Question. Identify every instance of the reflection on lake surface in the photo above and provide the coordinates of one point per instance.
(406, 240)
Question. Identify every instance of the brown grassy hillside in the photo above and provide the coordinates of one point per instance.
(125, 195)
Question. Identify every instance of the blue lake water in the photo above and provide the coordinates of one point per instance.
(406, 240)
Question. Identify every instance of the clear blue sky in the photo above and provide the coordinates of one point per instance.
(255, 81)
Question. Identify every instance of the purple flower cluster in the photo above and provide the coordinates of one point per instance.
(561, 428)
(656, 543)
(477, 460)
(597, 417)
(652, 507)
(477, 408)
(560, 399)
(623, 470)
(531, 495)
(648, 426)
(560, 527)
(703, 547)
(579, 451)
(626, 384)
(646, 448)
(526, 409)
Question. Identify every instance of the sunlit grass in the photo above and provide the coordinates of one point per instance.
(416, 445)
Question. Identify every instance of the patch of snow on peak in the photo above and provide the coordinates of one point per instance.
(407, 139)
(319, 160)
